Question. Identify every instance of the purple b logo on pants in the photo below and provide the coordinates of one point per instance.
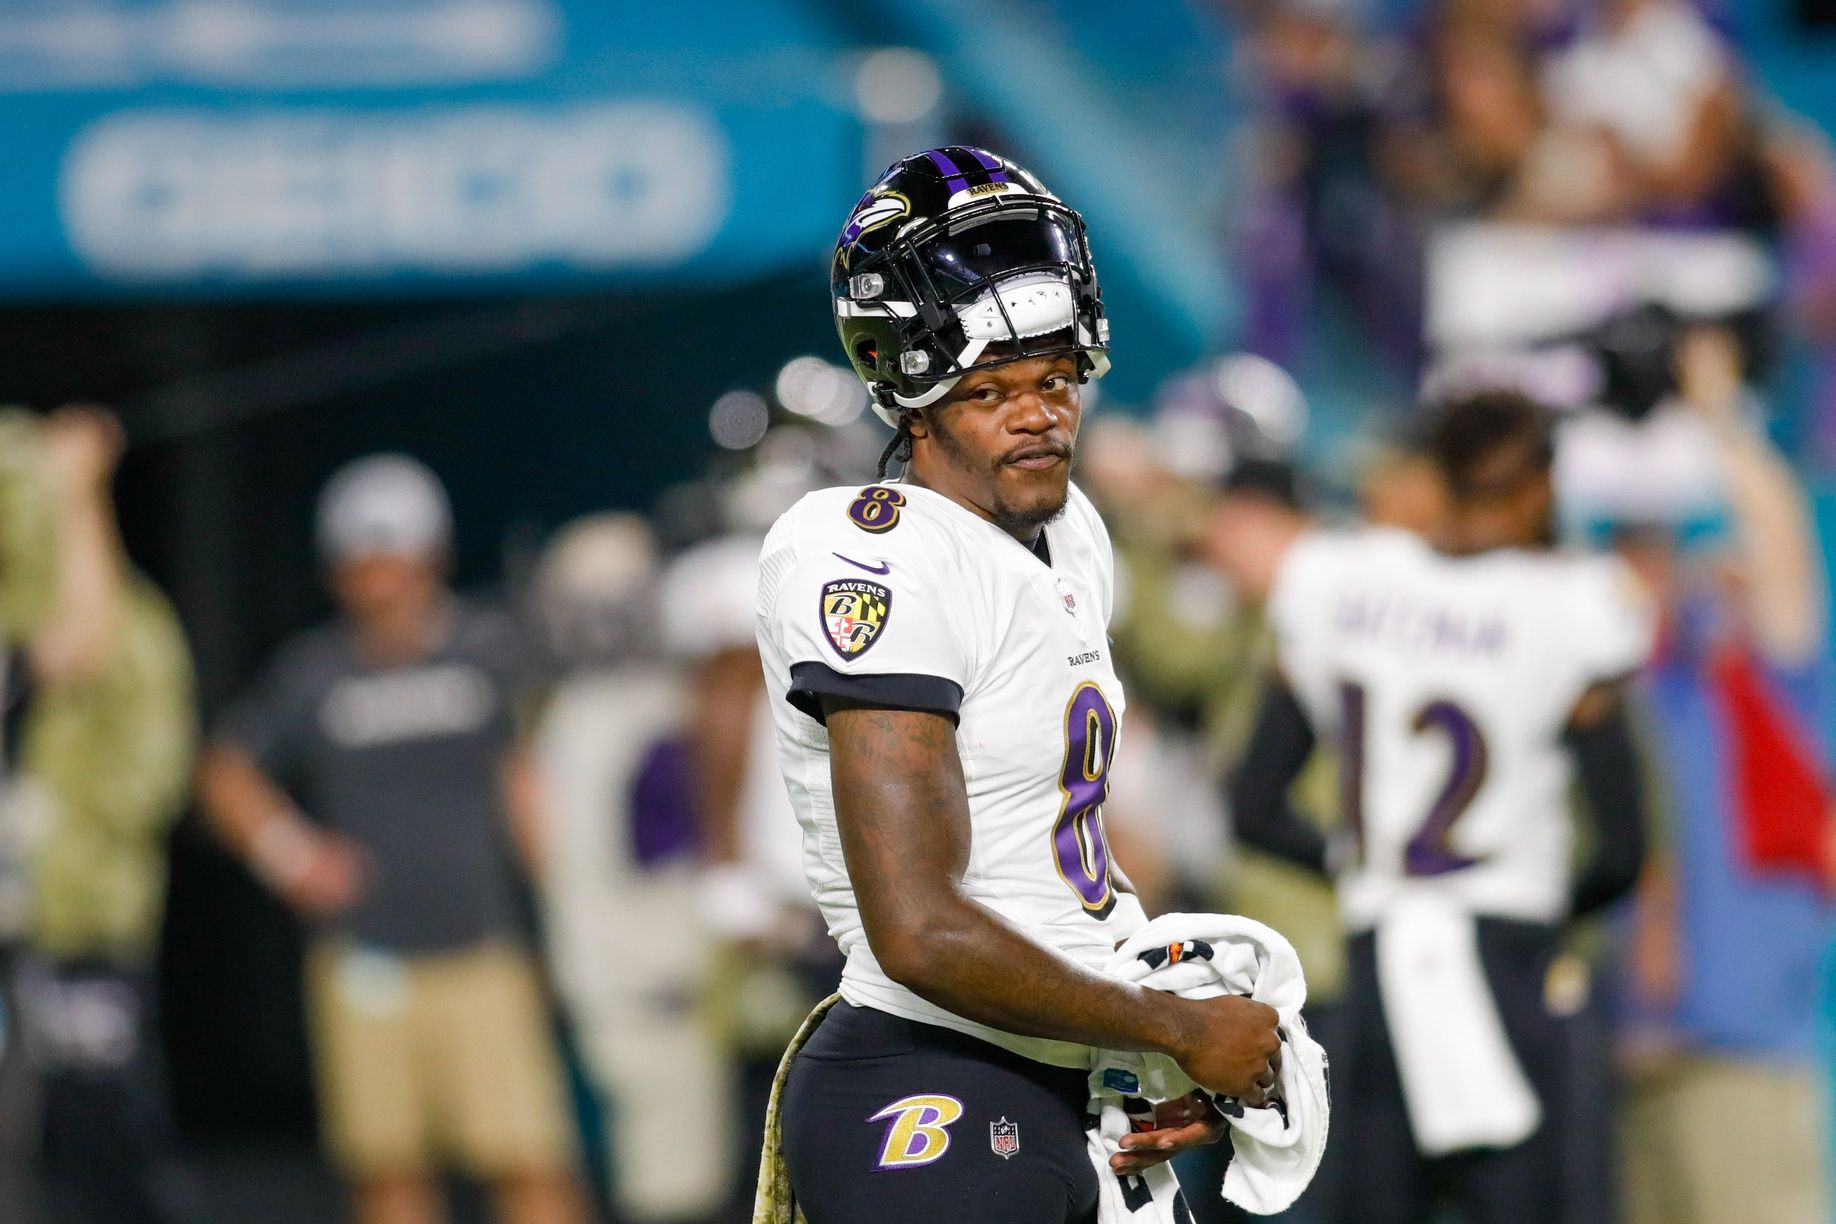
(919, 1133)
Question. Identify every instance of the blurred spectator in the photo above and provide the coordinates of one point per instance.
(1805, 186)
(1637, 115)
(1466, 124)
(1258, 515)
(1647, 120)
(1176, 645)
(96, 736)
(778, 960)
(1725, 944)
(367, 780)
(1180, 648)
(1320, 224)
(621, 880)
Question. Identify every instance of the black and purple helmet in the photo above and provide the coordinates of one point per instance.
(953, 250)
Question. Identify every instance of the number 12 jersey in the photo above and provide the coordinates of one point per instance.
(897, 596)
(1447, 684)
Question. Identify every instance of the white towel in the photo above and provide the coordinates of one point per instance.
(1143, 1198)
(1462, 1083)
(1276, 1150)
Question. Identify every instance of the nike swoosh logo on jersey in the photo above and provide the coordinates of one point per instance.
(882, 568)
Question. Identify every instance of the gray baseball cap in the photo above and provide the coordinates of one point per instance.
(389, 505)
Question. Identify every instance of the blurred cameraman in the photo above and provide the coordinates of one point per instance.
(1722, 1118)
(96, 737)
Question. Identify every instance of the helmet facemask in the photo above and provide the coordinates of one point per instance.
(1009, 271)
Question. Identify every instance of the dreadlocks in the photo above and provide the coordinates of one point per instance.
(899, 449)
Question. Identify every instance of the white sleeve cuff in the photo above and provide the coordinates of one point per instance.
(1128, 916)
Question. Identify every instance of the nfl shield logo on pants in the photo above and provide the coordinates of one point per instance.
(1004, 1138)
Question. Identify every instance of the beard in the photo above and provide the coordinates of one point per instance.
(1025, 520)
(1017, 515)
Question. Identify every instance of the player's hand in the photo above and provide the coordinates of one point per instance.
(1655, 947)
(1708, 374)
(331, 881)
(1180, 1125)
(1235, 1049)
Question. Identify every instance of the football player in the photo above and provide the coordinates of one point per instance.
(1465, 678)
(947, 712)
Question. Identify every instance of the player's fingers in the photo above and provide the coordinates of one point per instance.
(1178, 1113)
(1273, 1074)
(1168, 1138)
(1129, 1165)
(1135, 1160)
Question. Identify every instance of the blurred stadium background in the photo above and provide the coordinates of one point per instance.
(570, 255)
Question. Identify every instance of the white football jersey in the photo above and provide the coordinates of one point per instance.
(1447, 684)
(895, 593)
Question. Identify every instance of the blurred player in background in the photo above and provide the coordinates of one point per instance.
(372, 779)
(936, 653)
(1464, 680)
(97, 728)
(628, 941)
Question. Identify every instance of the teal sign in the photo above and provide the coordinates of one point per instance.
(263, 146)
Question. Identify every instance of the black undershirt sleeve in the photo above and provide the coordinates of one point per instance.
(811, 682)
(1612, 782)
(1258, 787)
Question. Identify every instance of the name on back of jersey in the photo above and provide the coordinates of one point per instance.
(1397, 619)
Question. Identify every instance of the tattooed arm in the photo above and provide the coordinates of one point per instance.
(903, 813)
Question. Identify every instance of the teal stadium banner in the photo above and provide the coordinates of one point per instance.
(335, 147)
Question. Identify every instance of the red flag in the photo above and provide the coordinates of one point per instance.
(1781, 798)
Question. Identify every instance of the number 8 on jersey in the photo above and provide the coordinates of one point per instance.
(1078, 845)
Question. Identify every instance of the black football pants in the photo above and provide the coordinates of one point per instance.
(887, 1121)
(1384, 1180)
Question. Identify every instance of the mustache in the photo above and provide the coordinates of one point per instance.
(1033, 450)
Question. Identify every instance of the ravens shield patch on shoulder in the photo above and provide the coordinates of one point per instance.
(854, 614)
